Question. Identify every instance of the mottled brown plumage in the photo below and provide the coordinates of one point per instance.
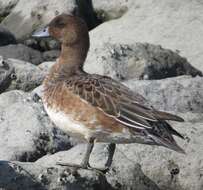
(96, 106)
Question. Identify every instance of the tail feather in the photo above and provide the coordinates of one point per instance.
(167, 116)
(170, 145)
(174, 132)
(161, 133)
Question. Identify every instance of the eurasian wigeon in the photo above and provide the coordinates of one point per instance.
(97, 108)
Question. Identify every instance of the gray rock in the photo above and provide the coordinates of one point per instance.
(26, 131)
(30, 15)
(51, 55)
(180, 94)
(137, 61)
(25, 76)
(126, 175)
(6, 72)
(32, 176)
(42, 44)
(45, 66)
(53, 44)
(6, 37)
(32, 43)
(108, 10)
(37, 93)
(47, 44)
(174, 25)
(168, 169)
(7, 6)
(21, 52)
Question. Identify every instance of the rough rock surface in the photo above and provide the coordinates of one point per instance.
(137, 61)
(42, 44)
(45, 173)
(108, 10)
(132, 166)
(175, 25)
(171, 170)
(21, 52)
(29, 15)
(6, 37)
(25, 76)
(7, 6)
(180, 94)
(51, 55)
(45, 66)
(31, 176)
(26, 131)
(5, 74)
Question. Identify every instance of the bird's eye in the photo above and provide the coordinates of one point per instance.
(60, 23)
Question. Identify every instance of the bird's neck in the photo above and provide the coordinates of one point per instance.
(73, 57)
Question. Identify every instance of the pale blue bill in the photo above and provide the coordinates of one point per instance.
(41, 33)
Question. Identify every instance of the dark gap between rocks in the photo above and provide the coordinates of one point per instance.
(86, 11)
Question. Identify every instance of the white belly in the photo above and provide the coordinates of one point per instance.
(67, 124)
(76, 129)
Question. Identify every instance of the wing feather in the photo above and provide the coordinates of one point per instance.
(117, 101)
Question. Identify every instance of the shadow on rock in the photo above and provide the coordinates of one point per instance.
(124, 173)
(14, 177)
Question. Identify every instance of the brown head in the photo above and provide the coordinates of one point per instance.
(69, 30)
(72, 32)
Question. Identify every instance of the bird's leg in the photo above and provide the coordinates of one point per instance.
(111, 149)
(85, 162)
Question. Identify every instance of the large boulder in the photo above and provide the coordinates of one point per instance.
(6, 37)
(6, 72)
(26, 131)
(21, 52)
(168, 169)
(29, 15)
(7, 6)
(32, 176)
(25, 76)
(45, 173)
(45, 66)
(51, 55)
(174, 25)
(108, 10)
(137, 61)
(180, 94)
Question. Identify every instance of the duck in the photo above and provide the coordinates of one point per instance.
(96, 108)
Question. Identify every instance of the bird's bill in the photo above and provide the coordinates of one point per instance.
(41, 33)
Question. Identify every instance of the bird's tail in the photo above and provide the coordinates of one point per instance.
(168, 144)
(162, 133)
